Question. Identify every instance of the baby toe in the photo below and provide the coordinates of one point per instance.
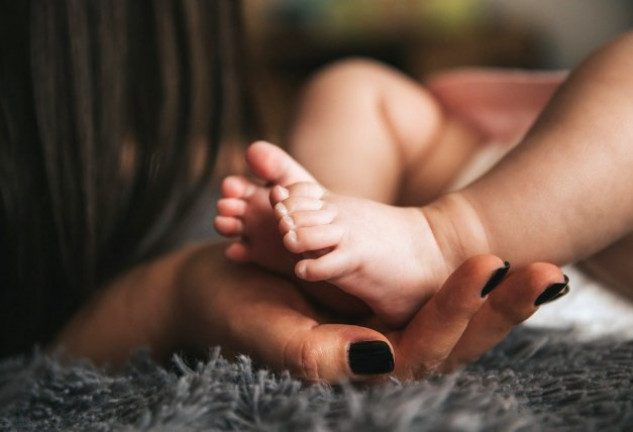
(286, 224)
(304, 219)
(228, 226)
(270, 163)
(278, 194)
(237, 187)
(238, 251)
(330, 266)
(297, 204)
(313, 238)
(232, 207)
(306, 189)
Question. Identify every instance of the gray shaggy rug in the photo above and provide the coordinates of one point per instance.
(536, 380)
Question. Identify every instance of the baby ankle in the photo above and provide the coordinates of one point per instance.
(457, 228)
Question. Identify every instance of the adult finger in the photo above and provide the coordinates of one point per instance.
(252, 312)
(513, 301)
(430, 337)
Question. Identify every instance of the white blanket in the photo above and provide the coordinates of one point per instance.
(591, 308)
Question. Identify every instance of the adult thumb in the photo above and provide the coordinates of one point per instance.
(337, 352)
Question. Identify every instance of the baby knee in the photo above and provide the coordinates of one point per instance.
(350, 75)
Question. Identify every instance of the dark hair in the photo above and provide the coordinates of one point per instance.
(111, 115)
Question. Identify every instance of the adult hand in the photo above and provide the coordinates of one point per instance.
(248, 311)
(457, 325)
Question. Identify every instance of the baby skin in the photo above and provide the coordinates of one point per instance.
(318, 235)
(531, 206)
(392, 258)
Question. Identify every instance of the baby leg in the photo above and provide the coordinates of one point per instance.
(362, 129)
(562, 194)
(366, 130)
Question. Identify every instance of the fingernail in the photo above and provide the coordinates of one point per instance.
(370, 358)
(553, 292)
(495, 279)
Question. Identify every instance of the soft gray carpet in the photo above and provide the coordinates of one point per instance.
(534, 381)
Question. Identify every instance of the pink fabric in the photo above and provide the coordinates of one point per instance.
(502, 104)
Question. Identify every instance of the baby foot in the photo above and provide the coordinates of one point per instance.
(385, 255)
(245, 211)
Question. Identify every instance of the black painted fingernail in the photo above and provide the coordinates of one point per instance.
(553, 292)
(495, 279)
(370, 358)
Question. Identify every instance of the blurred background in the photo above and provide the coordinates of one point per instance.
(290, 39)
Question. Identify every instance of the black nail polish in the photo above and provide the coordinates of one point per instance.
(495, 279)
(553, 292)
(370, 358)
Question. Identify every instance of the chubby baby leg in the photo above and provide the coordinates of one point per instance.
(366, 130)
(361, 126)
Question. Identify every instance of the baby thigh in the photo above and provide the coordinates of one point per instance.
(362, 127)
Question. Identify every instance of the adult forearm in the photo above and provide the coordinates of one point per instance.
(136, 310)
